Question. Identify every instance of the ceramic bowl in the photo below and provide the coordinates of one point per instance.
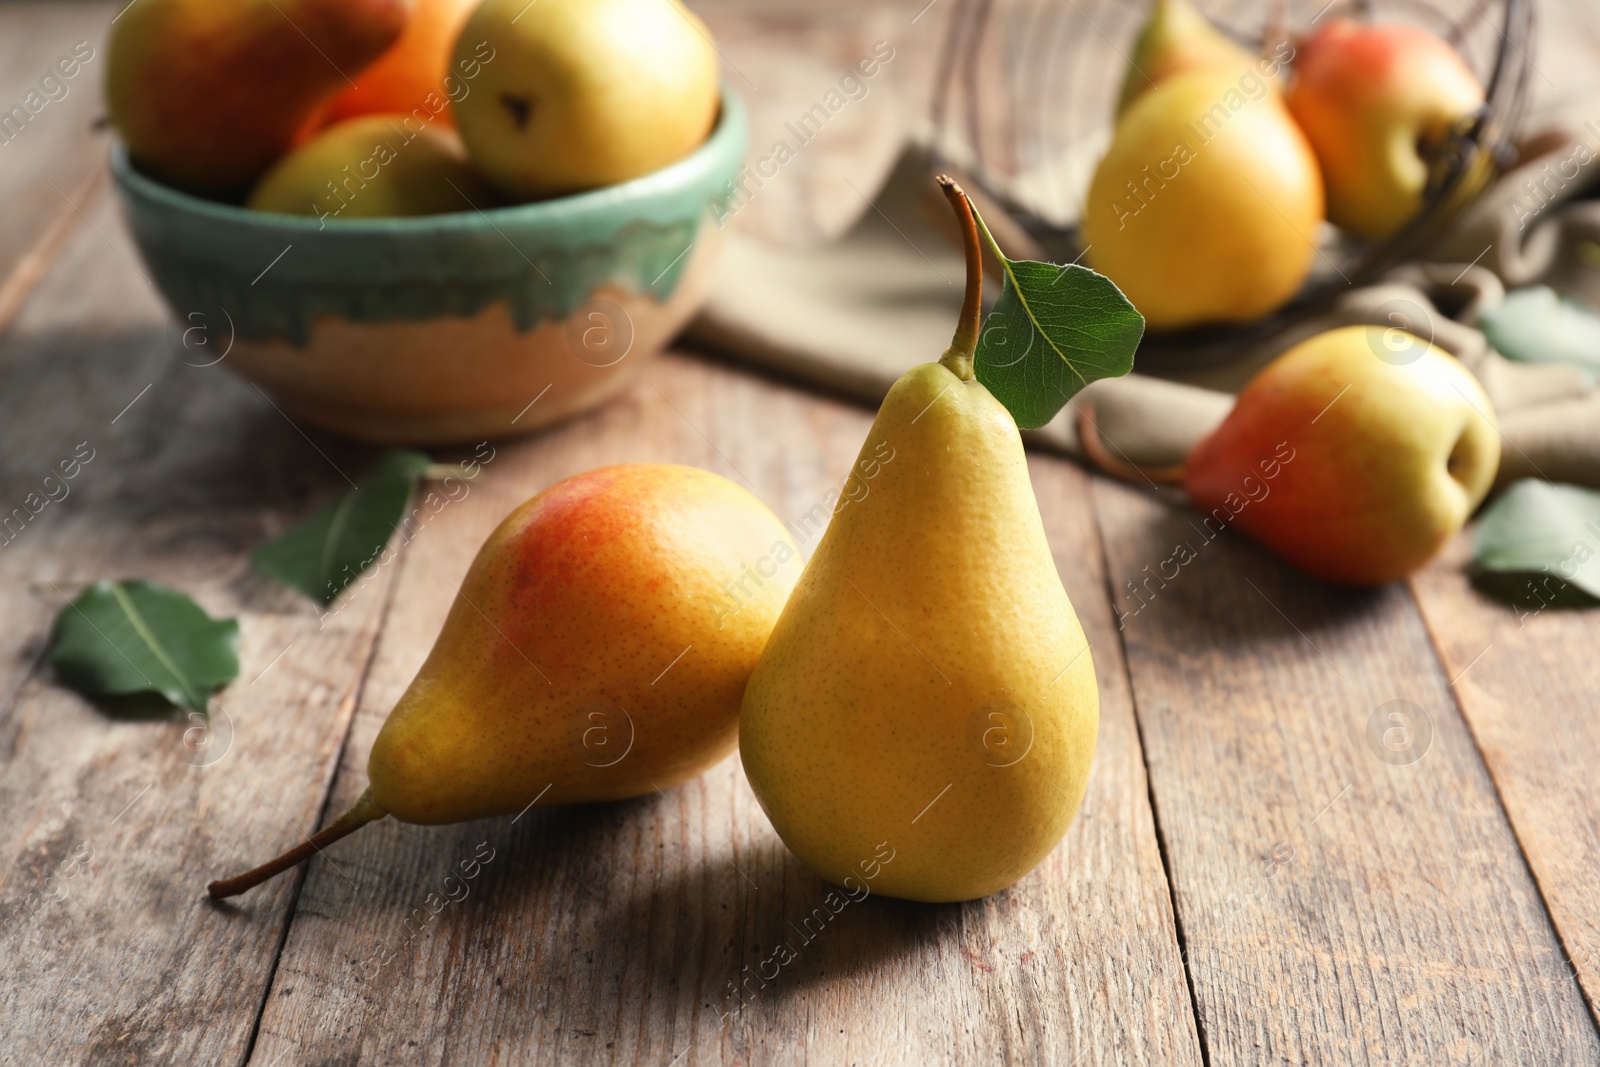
(441, 328)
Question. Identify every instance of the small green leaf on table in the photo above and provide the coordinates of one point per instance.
(118, 639)
(1536, 325)
(1054, 330)
(331, 549)
(1539, 543)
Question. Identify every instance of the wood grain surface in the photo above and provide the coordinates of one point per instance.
(616, 933)
(1346, 883)
(112, 953)
(784, 64)
(1524, 679)
(1322, 826)
(49, 153)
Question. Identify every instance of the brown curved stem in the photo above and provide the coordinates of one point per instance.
(958, 357)
(1094, 447)
(364, 811)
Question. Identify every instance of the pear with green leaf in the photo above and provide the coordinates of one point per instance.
(924, 715)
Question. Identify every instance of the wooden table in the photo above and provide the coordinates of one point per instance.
(1259, 874)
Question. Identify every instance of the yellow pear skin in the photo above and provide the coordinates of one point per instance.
(374, 166)
(1176, 38)
(584, 93)
(927, 686)
(1207, 205)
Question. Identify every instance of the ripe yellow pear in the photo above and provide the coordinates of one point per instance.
(925, 713)
(1207, 205)
(376, 166)
(576, 94)
(598, 649)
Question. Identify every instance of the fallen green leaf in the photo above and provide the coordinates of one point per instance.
(123, 638)
(1535, 325)
(331, 549)
(1054, 330)
(1539, 544)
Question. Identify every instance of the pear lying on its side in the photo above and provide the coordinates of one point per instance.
(1355, 455)
(598, 649)
(927, 692)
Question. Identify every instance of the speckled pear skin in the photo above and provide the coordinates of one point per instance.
(1359, 492)
(573, 613)
(929, 644)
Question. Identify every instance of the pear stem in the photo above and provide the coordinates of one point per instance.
(364, 810)
(1094, 449)
(958, 357)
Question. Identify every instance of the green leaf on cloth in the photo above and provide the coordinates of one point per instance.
(121, 638)
(1536, 325)
(331, 549)
(1054, 330)
(1539, 542)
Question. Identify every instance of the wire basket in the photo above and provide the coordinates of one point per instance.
(1024, 112)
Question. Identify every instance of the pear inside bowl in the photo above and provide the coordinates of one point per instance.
(441, 328)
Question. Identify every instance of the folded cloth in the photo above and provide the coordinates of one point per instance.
(853, 315)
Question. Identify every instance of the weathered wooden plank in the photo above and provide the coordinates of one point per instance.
(108, 950)
(1528, 682)
(811, 170)
(624, 933)
(52, 62)
(1345, 880)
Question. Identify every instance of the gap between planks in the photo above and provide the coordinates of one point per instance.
(31, 268)
(301, 872)
(1442, 653)
(1093, 500)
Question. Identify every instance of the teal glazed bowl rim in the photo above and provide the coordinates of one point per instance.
(274, 275)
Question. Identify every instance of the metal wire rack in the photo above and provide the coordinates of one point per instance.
(1023, 113)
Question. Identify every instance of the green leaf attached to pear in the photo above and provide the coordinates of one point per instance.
(1053, 330)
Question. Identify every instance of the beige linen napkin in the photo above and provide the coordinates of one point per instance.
(853, 315)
